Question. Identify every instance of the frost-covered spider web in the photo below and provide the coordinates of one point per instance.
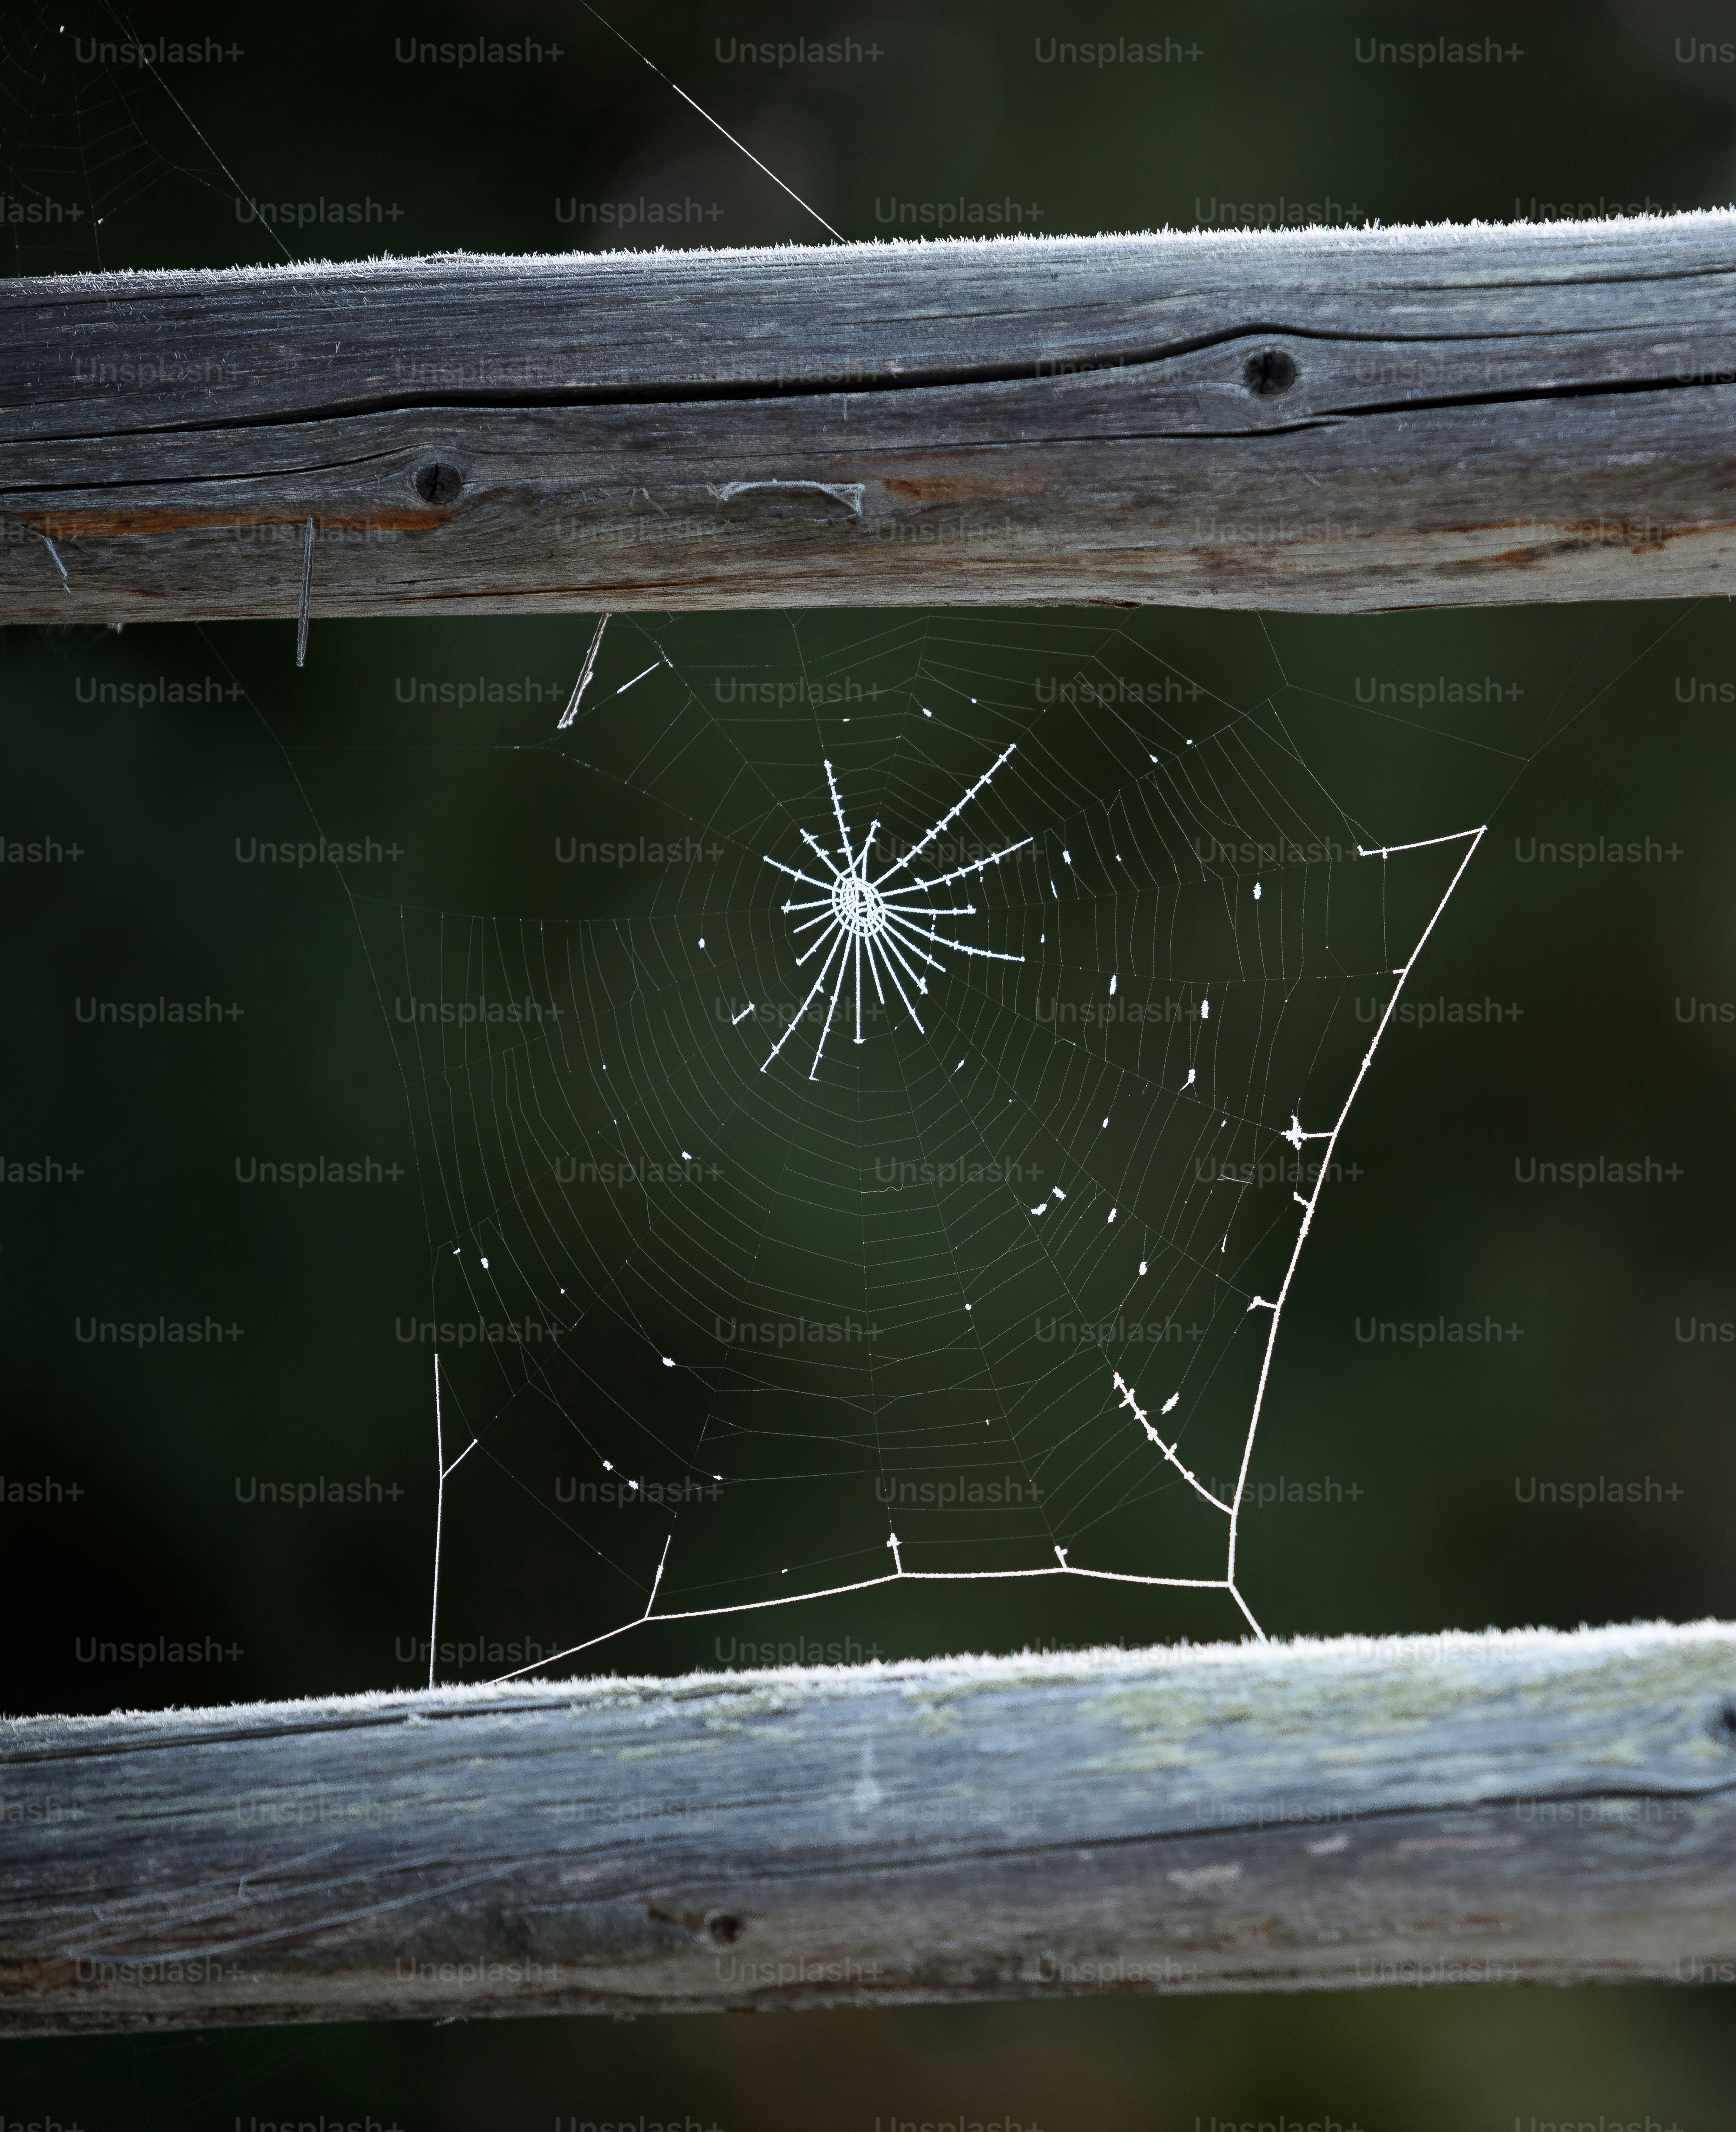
(861, 917)
(733, 1310)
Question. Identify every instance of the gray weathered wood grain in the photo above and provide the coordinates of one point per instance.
(1324, 420)
(1453, 1809)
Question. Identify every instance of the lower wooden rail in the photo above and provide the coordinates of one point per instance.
(1499, 1808)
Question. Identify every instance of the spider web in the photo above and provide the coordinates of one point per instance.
(729, 1310)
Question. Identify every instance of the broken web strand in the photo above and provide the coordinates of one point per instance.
(584, 682)
(440, 1512)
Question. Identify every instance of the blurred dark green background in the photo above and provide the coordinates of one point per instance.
(1611, 723)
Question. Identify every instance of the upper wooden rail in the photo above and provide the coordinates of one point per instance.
(1439, 1810)
(1325, 420)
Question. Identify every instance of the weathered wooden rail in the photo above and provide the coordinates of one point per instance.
(1320, 420)
(1452, 1809)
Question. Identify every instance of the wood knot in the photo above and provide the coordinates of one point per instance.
(722, 1927)
(1722, 1725)
(1269, 370)
(438, 482)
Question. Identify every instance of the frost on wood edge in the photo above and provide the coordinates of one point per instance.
(1343, 1657)
(1364, 239)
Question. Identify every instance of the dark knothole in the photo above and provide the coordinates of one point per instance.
(437, 483)
(1271, 370)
